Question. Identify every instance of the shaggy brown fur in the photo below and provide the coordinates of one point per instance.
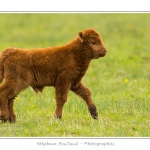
(62, 67)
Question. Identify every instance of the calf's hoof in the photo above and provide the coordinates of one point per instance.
(93, 112)
(12, 119)
(57, 116)
(3, 119)
(95, 117)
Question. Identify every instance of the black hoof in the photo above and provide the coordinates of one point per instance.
(12, 119)
(93, 112)
(95, 117)
(57, 117)
(3, 120)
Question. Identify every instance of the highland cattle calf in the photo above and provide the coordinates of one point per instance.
(61, 67)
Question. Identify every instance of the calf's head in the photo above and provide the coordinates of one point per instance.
(93, 43)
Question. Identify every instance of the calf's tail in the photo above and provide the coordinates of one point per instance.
(1, 68)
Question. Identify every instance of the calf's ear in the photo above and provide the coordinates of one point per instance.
(81, 36)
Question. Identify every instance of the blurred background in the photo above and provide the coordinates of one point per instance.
(35, 30)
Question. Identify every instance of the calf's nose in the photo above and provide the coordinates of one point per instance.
(105, 51)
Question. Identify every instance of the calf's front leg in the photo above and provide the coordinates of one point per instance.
(61, 98)
(61, 91)
(85, 93)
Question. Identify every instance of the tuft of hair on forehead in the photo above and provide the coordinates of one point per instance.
(91, 32)
(88, 33)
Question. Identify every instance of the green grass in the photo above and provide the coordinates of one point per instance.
(124, 107)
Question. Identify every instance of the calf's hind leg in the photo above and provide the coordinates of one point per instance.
(8, 90)
(85, 93)
(4, 93)
(12, 116)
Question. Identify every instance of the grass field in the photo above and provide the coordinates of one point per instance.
(120, 82)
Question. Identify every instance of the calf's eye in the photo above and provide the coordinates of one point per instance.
(94, 43)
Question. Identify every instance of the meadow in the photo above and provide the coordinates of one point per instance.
(120, 82)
